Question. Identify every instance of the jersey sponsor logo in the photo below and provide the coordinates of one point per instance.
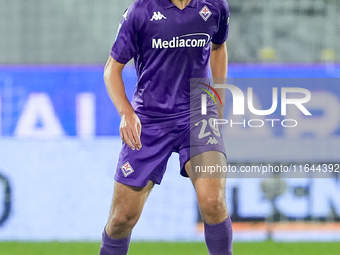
(195, 40)
(205, 13)
(127, 169)
(157, 16)
(213, 140)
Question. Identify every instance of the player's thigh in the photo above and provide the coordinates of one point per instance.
(209, 164)
(128, 202)
(209, 182)
(210, 187)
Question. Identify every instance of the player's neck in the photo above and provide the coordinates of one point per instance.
(181, 4)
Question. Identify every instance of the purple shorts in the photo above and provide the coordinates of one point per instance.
(136, 168)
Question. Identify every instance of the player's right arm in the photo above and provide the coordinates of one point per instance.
(130, 126)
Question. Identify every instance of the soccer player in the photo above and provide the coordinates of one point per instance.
(171, 41)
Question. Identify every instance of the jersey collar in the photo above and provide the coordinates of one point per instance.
(167, 4)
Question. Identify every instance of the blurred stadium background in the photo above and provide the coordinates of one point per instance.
(59, 137)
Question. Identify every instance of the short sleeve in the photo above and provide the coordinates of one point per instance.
(126, 42)
(221, 34)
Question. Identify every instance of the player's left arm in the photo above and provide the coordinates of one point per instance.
(219, 67)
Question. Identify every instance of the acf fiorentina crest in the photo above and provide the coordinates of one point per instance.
(127, 169)
(205, 13)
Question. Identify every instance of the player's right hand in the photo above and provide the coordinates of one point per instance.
(130, 130)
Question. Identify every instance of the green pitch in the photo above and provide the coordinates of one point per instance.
(158, 248)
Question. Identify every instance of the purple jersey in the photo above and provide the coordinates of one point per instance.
(169, 46)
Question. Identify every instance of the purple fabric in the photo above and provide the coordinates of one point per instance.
(219, 238)
(136, 168)
(169, 46)
(112, 246)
